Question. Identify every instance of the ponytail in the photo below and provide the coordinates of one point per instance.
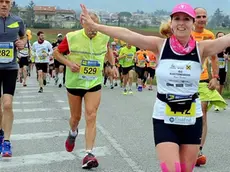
(165, 29)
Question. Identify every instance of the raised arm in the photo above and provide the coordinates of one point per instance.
(213, 47)
(133, 38)
(145, 42)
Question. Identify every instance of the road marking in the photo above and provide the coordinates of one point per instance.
(28, 103)
(36, 102)
(37, 120)
(132, 164)
(98, 151)
(40, 109)
(48, 158)
(35, 91)
(65, 108)
(60, 101)
(28, 88)
(43, 135)
(25, 96)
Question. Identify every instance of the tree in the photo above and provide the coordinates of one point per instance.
(226, 21)
(144, 24)
(161, 13)
(30, 14)
(122, 16)
(15, 8)
(217, 19)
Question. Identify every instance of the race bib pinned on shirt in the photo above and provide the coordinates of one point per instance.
(221, 63)
(6, 52)
(152, 64)
(141, 63)
(129, 57)
(90, 69)
(180, 110)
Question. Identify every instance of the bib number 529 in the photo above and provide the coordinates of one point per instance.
(90, 70)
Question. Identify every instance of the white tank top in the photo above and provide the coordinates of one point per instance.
(177, 74)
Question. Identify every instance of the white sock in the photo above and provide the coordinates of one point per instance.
(73, 133)
(88, 151)
(56, 75)
(60, 78)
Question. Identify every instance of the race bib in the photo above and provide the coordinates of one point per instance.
(25, 51)
(6, 52)
(184, 115)
(141, 63)
(90, 69)
(221, 63)
(42, 57)
(152, 64)
(129, 57)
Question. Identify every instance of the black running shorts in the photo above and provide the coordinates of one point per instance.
(42, 66)
(8, 80)
(222, 75)
(82, 92)
(178, 134)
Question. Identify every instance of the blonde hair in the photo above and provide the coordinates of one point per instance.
(165, 29)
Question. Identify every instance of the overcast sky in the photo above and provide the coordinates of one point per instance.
(132, 5)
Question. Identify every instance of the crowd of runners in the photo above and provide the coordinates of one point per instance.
(86, 60)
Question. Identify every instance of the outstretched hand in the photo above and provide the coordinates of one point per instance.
(85, 18)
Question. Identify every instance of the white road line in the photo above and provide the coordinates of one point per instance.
(132, 164)
(35, 102)
(60, 101)
(98, 151)
(35, 91)
(40, 109)
(43, 135)
(47, 158)
(28, 88)
(65, 108)
(25, 96)
(28, 103)
(36, 120)
(37, 159)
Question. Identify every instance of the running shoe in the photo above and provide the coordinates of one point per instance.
(70, 142)
(130, 91)
(125, 92)
(139, 88)
(6, 149)
(201, 160)
(40, 90)
(1, 141)
(90, 161)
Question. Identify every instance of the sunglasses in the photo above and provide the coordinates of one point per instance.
(198, 17)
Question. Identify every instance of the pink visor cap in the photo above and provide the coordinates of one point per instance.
(184, 8)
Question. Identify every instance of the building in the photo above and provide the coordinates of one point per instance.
(60, 18)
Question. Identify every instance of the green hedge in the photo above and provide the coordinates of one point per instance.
(42, 25)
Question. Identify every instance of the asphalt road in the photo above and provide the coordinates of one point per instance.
(124, 133)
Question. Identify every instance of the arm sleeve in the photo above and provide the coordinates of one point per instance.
(21, 31)
(33, 53)
(63, 46)
(50, 49)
